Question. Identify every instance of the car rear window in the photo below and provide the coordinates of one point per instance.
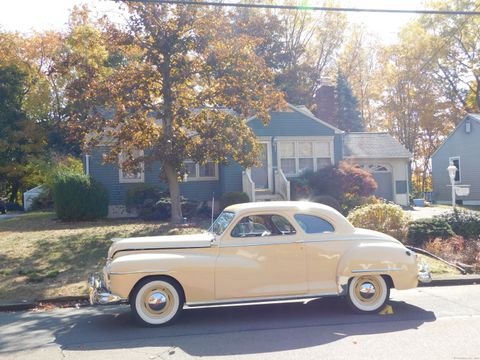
(314, 224)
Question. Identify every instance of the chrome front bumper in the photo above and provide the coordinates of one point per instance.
(98, 292)
(424, 275)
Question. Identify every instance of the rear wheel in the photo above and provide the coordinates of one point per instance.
(156, 301)
(367, 293)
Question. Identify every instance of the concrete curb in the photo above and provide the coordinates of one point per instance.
(453, 281)
(21, 306)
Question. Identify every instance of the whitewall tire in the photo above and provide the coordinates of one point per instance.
(156, 301)
(367, 293)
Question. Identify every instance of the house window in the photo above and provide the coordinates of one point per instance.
(456, 162)
(136, 176)
(375, 167)
(296, 157)
(197, 172)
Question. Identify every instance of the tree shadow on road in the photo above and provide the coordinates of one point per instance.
(218, 331)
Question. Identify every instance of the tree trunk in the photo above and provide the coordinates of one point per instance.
(177, 217)
(14, 191)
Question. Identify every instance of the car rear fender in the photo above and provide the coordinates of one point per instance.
(378, 258)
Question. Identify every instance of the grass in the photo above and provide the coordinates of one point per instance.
(43, 257)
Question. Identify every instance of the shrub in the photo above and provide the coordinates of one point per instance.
(386, 218)
(423, 230)
(232, 198)
(139, 193)
(345, 178)
(300, 188)
(153, 203)
(463, 222)
(78, 197)
(351, 202)
(327, 200)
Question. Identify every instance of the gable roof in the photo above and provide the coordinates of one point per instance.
(474, 117)
(302, 109)
(373, 145)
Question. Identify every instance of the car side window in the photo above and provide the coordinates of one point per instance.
(262, 225)
(314, 224)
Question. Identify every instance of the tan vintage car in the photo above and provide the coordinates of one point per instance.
(256, 252)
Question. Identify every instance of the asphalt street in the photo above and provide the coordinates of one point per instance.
(428, 323)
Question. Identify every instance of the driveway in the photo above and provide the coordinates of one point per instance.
(428, 323)
(426, 212)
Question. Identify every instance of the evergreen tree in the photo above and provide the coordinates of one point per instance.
(348, 116)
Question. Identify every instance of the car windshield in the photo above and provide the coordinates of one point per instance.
(219, 226)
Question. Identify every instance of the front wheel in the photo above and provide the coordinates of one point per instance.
(368, 293)
(156, 301)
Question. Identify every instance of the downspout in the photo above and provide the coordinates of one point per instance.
(87, 164)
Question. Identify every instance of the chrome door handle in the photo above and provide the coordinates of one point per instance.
(298, 242)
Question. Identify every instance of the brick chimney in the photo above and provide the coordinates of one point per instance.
(326, 108)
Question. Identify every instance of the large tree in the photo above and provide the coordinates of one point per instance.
(181, 86)
(20, 137)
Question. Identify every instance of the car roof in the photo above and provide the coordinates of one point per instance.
(342, 224)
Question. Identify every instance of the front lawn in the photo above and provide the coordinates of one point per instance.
(43, 257)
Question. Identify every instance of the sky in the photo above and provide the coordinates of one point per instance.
(27, 15)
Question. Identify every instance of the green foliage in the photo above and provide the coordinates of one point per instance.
(139, 193)
(231, 198)
(351, 202)
(386, 218)
(153, 203)
(79, 197)
(463, 222)
(424, 230)
(348, 184)
(20, 137)
(348, 116)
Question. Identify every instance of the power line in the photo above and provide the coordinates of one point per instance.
(310, 8)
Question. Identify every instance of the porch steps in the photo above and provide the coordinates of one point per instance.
(267, 196)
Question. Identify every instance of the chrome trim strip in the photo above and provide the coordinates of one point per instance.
(260, 244)
(137, 272)
(256, 300)
(375, 270)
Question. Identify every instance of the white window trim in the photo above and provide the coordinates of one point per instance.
(328, 140)
(197, 176)
(450, 159)
(122, 179)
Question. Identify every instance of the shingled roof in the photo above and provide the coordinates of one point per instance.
(373, 145)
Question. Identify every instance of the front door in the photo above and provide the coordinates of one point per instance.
(261, 175)
(261, 257)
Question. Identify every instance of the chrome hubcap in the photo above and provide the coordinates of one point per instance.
(367, 290)
(157, 301)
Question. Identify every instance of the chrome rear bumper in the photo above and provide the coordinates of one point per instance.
(99, 294)
(424, 275)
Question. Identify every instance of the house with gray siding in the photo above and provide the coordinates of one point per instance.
(293, 141)
(462, 148)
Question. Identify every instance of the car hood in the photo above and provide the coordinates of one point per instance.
(374, 235)
(200, 240)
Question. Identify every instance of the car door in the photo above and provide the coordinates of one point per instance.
(323, 249)
(262, 256)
